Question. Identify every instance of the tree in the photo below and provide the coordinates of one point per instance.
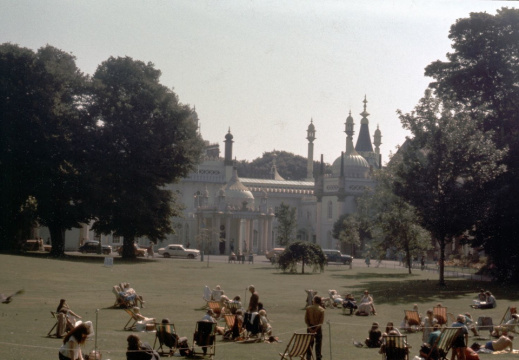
(395, 221)
(444, 169)
(287, 223)
(42, 127)
(302, 251)
(481, 75)
(347, 229)
(289, 166)
(145, 139)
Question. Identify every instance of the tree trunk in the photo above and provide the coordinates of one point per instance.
(442, 260)
(303, 269)
(408, 255)
(128, 247)
(57, 238)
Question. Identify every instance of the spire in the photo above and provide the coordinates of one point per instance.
(364, 139)
(310, 136)
(274, 170)
(377, 140)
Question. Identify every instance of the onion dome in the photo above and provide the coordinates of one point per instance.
(236, 193)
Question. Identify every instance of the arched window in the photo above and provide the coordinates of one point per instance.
(330, 210)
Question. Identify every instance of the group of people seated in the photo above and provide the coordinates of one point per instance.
(485, 300)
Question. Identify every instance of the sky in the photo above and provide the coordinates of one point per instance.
(263, 69)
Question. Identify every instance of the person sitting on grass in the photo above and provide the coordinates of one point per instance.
(374, 337)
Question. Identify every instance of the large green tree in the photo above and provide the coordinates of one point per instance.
(145, 139)
(395, 223)
(41, 137)
(444, 169)
(481, 75)
(306, 253)
(287, 224)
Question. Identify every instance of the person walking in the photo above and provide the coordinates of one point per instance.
(314, 319)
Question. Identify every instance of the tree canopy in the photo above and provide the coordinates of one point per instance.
(304, 252)
(42, 127)
(145, 139)
(481, 76)
(444, 169)
(74, 148)
(287, 224)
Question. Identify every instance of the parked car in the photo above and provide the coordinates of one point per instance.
(141, 252)
(92, 247)
(336, 256)
(274, 252)
(177, 250)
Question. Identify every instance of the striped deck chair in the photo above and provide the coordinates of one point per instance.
(230, 321)
(507, 317)
(215, 306)
(413, 318)
(167, 336)
(443, 344)
(395, 347)
(485, 323)
(297, 346)
(440, 314)
(233, 306)
(130, 325)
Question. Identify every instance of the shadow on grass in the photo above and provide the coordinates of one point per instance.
(88, 258)
(419, 290)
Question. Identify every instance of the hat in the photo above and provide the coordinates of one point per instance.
(90, 328)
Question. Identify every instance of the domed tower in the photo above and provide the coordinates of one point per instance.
(237, 194)
(310, 136)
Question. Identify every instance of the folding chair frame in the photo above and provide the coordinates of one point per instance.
(506, 317)
(444, 342)
(55, 324)
(160, 329)
(395, 347)
(298, 346)
(130, 325)
(211, 337)
(485, 323)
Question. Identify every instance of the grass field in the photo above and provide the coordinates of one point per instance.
(173, 289)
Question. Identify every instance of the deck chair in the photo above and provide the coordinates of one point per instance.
(440, 314)
(130, 325)
(251, 322)
(297, 346)
(232, 330)
(395, 347)
(204, 338)
(167, 336)
(507, 317)
(413, 318)
(215, 306)
(233, 307)
(216, 294)
(120, 301)
(60, 325)
(443, 344)
(484, 323)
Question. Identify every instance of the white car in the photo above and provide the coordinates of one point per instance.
(178, 250)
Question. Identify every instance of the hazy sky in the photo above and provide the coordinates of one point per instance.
(261, 68)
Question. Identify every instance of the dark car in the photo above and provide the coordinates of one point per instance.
(93, 246)
(336, 256)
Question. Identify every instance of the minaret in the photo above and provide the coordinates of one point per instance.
(310, 136)
(227, 162)
(349, 134)
(377, 141)
(228, 149)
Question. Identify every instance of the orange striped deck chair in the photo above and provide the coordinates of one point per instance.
(440, 314)
(297, 346)
(215, 306)
(413, 318)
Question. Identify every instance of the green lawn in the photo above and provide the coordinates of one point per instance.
(173, 288)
